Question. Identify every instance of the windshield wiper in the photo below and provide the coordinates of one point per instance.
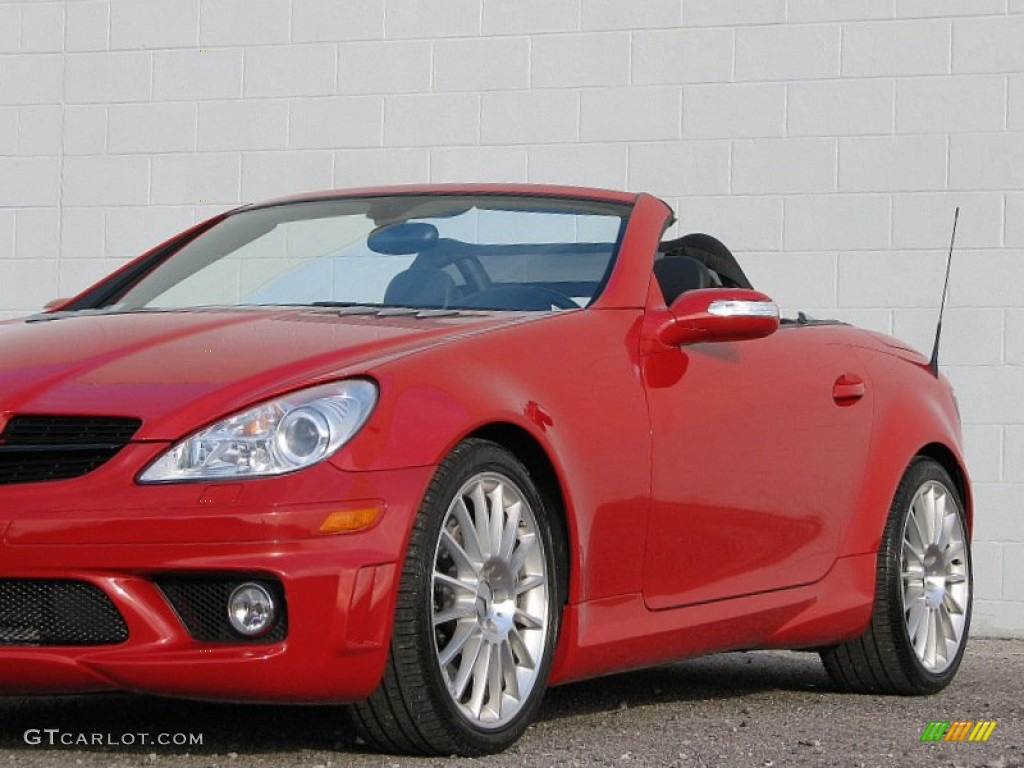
(45, 317)
(336, 304)
(394, 311)
(358, 309)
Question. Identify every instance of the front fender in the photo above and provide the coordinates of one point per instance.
(571, 382)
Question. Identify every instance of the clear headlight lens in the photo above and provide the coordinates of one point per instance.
(273, 438)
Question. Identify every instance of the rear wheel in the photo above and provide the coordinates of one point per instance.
(923, 591)
(478, 612)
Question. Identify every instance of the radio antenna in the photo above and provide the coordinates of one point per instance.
(934, 362)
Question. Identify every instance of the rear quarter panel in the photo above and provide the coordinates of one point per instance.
(915, 413)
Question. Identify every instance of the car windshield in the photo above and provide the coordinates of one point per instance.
(438, 252)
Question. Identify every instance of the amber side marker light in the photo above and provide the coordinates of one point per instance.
(348, 520)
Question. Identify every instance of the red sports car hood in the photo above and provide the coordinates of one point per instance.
(177, 370)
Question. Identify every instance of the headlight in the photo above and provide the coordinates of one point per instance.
(279, 436)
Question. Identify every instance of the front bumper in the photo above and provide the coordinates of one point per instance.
(339, 588)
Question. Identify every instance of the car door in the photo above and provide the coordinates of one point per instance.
(759, 447)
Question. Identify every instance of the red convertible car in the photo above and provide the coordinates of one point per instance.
(429, 450)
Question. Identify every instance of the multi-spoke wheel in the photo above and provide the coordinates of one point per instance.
(491, 595)
(477, 615)
(922, 608)
(936, 585)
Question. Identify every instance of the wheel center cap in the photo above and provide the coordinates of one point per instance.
(934, 577)
(483, 601)
(483, 592)
(934, 590)
(501, 618)
(495, 601)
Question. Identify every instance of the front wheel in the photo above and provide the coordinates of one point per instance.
(478, 611)
(923, 591)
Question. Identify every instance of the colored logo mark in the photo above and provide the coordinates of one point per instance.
(958, 730)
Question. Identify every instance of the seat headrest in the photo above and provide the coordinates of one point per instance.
(678, 274)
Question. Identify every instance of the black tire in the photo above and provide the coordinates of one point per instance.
(412, 710)
(884, 659)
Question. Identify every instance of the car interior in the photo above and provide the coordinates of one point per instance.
(450, 273)
(696, 261)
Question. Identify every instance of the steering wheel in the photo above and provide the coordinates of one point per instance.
(519, 298)
(472, 272)
(558, 299)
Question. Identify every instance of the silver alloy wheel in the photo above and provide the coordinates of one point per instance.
(936, 580)
(490, 600)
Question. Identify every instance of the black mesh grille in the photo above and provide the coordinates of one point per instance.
(201, 603)
(69, 430)
(57, 612)
(38, 448)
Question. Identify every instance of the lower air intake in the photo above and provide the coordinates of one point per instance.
(57, 612)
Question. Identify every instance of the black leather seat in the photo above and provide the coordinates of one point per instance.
(678, 274)
(424, 284)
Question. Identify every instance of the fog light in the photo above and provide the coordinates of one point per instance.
(251, 610)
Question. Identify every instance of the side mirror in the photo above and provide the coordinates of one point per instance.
(719, 314)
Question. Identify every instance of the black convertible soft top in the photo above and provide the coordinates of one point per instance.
(712, 253)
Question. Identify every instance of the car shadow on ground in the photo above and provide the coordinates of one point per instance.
(720, 676)
(257, 729)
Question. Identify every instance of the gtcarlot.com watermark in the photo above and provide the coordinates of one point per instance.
(55, 737)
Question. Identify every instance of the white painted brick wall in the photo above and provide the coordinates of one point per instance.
(373, 167)
(152, 24)
(960, 103)
(682, 56)
(431, 119)
(827, 141)
(482, 64)
(501, 17)
(637, 113)
(720, 111)
(784, 165)
(331, 21)
(106, 180)
(840, 107)
(290, 70)
(41, 28)
(615, 14)
(241, 22)
(29, 181)
(151, 128)
(408, 69)
(510, 117)
(655, 167)
(896, 48)
(458, 163)
(194, 74)
(587, 59)
(269, 174)
(337, 121)
(242, 124)
(781, 52)
(891, 163)
(116, 76)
